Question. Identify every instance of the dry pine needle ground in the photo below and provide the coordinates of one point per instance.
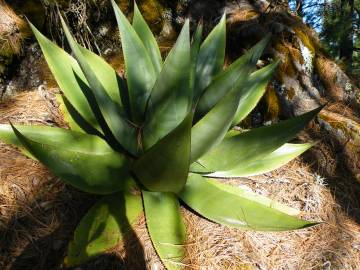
(39, 214)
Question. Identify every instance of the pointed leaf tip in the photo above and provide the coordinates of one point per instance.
(137, 61)
(255, 143)
(237, 209)
(81, 160)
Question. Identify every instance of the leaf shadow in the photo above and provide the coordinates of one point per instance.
(48, 252)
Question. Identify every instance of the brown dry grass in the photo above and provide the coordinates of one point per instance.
(39, 214)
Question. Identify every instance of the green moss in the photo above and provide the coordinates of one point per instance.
(152, 11)
(286, 67)
(124, 5)
(273, 103)
(306, 40)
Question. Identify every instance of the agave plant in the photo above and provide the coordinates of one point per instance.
(166, 132)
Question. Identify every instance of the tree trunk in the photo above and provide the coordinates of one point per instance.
(346, 40)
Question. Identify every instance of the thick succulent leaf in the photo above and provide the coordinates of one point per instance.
(65, 111)
(235, 209)
(81, 160)
(273, 161)
(165, 166)
(148, 39)
(171, 97)
(195, 47)
(225, 81)
(107, 223)
(166, 228)
(212, 128)
(211, 56)
(254, 144)
(64, 68)
(250, 195)
(120, 128)
(195, 43)
(253, 91)
(72, 140)
(106, 75)
(73, 118)
(139, 69)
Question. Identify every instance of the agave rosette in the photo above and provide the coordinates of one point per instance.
(165, 130)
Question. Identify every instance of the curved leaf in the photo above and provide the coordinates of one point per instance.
(139, 69)
(103, 227)
(253, 91)
(250, 195)
(88, 164)
(165, 166)
(236, 209)
(120, 128)
(148, 39)
(254, 144)
(212, 128)
(211, 57)
(171, 97)
(59, 137)
(225, 81)
(73, 118)
(65, 112)
(195, 47)
(106, 75)
(166, 228)
(64, 68)
(273, 161)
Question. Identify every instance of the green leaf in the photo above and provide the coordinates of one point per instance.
(65, 112)
(254, 144)
(211, 57)
(165, 166)
(225, 81)
(196, 42)
(148, 39)
(73, 118)
(253, 91)
(195, 47)
(107, 76)
(120, 128)
(212, 128)
(106, 224)
(171, 98)
(248, 194)
(64, 68)
(166, 228)
(58, 137)
(139, 69)
(81, 160)
(273, 161)
(236, 209)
